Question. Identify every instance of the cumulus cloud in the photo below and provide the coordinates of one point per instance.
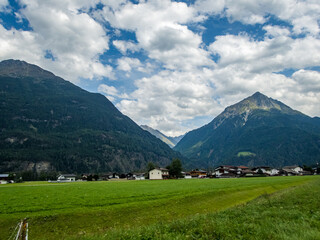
(11, 42)
(168, 99)
(3, 4)
(127, 64)
(73, 38)
(159, 29)
(269, 55)
(308, 81)
(303, 15)
(111, 92)
(126, 46)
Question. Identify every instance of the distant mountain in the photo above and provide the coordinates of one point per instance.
(171, 141)
(256, 131)
(175, 140)
(47, 123)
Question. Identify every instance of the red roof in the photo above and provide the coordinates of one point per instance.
(243, 167)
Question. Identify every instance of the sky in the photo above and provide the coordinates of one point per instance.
(173, 65)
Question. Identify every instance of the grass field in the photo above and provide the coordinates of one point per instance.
(159, 209)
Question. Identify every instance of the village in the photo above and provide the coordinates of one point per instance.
(227, 171)
(223, 171)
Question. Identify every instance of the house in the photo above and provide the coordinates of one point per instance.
(241, 169)
(66, 178)
(274, 172)
(159, 173)
(225, 171)
(139, 176)
(186, 175)
(267, 170)
(262, 169)
(292, 170)
(104, 177)
(198, 173)
(248, 173)
(4, 178)
(306, 173)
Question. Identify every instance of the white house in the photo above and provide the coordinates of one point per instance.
(4, 178)
(66, 178)
(273, 172)
(293, 170)
(159, 173)
(138, 176)
(225, 170)
(186, 175)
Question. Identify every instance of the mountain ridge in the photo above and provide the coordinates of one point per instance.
(171, 141)
(258, 125)
(49, 124)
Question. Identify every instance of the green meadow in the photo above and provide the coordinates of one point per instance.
(170, 209)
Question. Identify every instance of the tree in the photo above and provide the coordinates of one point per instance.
(96, 177)
(260, 171)
(175, 168)
(307, 168)
(150, 166)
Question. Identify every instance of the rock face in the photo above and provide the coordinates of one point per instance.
(256, 131)
(49, 123)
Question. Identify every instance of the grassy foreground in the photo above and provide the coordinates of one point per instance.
(293, 213)
(173, 209)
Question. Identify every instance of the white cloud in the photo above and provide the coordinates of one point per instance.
(127, 64)
(270, 55)
(126, 46)
(170, 97)
(111, 92)
(208, 6)
(3, 4)
(303, 15)
(74, 39)
(308, 81)
(13, 42)
(159, 29)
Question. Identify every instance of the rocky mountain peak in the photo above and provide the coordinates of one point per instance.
(257, 101)
(17, 69)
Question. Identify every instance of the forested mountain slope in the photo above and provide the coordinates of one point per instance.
(48, 123)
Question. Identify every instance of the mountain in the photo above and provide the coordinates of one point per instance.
(171, 141)
(256, 131)
(49, 124)
(175, 140)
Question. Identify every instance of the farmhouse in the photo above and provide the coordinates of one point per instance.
(226, 171)
(292, 170)
(4, 178)
(139, 176)
(186, 175)
(66, 178)
(159, 173)
(198, 173)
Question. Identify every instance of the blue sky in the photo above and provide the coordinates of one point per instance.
(173, 65)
